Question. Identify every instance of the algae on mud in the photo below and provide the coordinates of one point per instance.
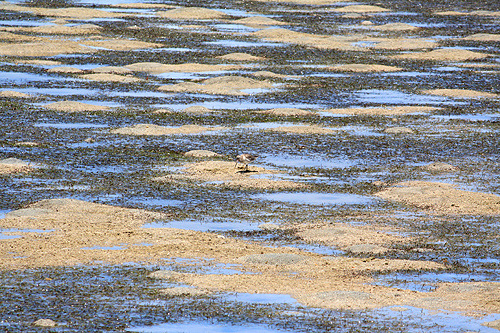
(389, 72)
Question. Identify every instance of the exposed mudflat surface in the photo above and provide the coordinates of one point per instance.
(372, 205)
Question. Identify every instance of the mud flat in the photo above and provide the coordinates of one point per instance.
(372, 204)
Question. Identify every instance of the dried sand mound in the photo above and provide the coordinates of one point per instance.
(111, 70)
(200, 153)
(226, 85)
(273, 259)
(444, 55)
(158, 68)
(198, 109)
(442, 198)
(272, 75)
(461, 93)
(439, 167)
(14, 94)
(47, 48)
(103, 77)
(77, 13)
(363, 68)
(483, 37)
(13, 165)
(192, 13)
(65, 69)
(303, 129)
(258, 21)
(14, 37)
(302, 38)
(121, 44)
(473, 13)
(348, 237)
(38, 62)
(399, 130)
(400, 43)
(151, 129)
(223, 173)
(241, 57)
(69, 106)
(142, 5)
(287, 112)
(360, 9)
(82, 29)
(385, 111)
(93, 233)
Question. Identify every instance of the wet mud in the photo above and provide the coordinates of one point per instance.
(373, 203)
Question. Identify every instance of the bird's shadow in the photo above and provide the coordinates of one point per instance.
(246, 171)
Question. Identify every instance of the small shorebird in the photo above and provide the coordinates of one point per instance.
(245, 159)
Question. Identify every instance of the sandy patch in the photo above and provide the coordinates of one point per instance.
(347, 237)
(226, 85)
(141, 5)
(151, 129)
(224, 173)
(38, 62)
(461, 93)
(14, 94)
(196, 109)
(241, 57)
(43, 49)
(69, 106)
(439, 167)
(401, 43)
(385, 111)
(82, 29)
(4, 35)
(13, 165)
(473, 13)
(444, 55)
(111, 78)
(287, 112)
(89, 233)
(303, 129)
(272, 75)
(192, 13)
(360, 9)
(111, 70)
(258, 21)
(201, 153)
(399, 130)
(363, 68)
(442, 198)
(65, 69)
(121, 44)
(301, 38)
(395, 27)
(73, 12)
(158, 68)
(483, 37)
